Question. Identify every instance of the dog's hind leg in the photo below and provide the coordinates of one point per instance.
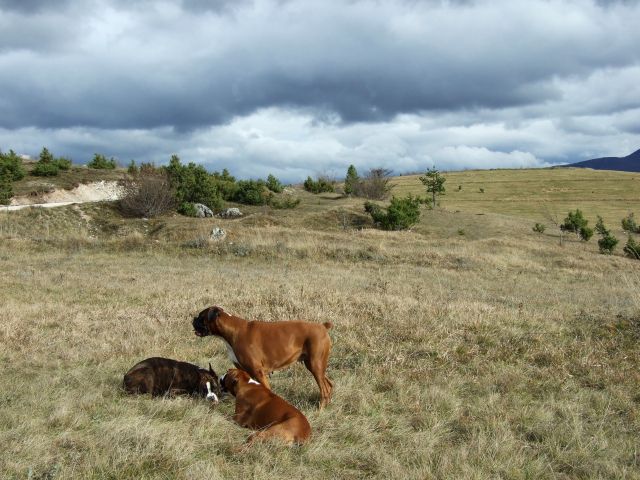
(282, 431)
(317, 365)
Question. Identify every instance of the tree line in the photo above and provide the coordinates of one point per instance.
(401, 213)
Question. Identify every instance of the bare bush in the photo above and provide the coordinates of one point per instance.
(147, 194)
(375, 184)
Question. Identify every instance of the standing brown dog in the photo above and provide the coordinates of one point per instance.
(259, 408)
(263, 347)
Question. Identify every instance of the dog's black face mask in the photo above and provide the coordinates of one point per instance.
(205, 323)
(199, 326)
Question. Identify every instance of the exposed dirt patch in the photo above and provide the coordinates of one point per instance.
(90, 192)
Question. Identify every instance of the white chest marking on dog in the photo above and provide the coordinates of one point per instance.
(210, 394)
(253, 381)
(231, 354)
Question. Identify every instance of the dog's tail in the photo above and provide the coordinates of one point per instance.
(328, 325)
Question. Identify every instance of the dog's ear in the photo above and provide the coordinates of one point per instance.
(232, 375)
(212, 372)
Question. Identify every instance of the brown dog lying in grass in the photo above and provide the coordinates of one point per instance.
(260, 409)
(164, 376)
(260, 348)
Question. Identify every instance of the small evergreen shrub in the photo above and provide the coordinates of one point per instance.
(318, 186)
(434, 182)
(45, 169)
(632, 248)
(607, 241)
(401, 213)
(226, 184)
(11, 166)
(629, 224)
(274, 184)
(252, 192)
(6, 190)
(187, 209)
(225, 176)
(351, 181)
(192, 183)
(100, 162)
(576, 223)
(539, 228)
(585, 233)
(63, 163)
(49, 166)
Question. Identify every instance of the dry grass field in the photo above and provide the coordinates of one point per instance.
(469, 347)
(534, 194)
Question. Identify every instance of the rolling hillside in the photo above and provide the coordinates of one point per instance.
(535, 193)
(468, 347)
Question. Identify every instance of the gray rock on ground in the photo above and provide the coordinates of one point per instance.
(230, 213)
(218, 234)
(202, 211)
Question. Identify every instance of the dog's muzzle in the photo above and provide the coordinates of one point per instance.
(199, 327)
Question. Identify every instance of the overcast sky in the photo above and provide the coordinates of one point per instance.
(304, 87)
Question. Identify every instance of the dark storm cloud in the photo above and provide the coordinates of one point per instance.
(213, 5)
(32, 6)
(197, 6)
(365, 61)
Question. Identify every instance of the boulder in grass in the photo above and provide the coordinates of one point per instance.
(231, 213)
(202, 211)
(218, 234)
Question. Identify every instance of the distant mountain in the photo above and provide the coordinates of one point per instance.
(630, 163)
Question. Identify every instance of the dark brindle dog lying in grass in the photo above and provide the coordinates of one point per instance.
(163, 376)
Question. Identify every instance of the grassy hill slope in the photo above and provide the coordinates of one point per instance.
(469, 347)
(533, 193)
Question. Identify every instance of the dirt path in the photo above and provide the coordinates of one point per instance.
(11, 208)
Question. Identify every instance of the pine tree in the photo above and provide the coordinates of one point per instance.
(351, 180)
(6, 190)
(434, 181)
(607, 242)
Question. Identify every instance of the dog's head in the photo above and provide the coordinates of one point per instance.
(229, 381)
(206, 322)
(211, 378)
